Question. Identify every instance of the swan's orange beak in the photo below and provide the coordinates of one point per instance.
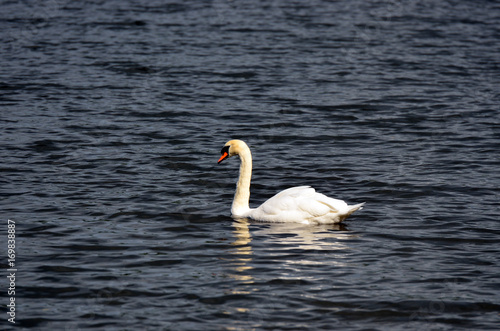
(223, 157)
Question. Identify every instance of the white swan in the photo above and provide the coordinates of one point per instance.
(301, 204)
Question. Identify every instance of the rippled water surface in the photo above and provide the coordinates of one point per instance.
(113, 115)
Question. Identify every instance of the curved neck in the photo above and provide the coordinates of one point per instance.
(242, 195)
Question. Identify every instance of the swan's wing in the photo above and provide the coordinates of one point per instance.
(286, 199)
(298, 203)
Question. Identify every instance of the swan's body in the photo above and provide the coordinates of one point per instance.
(301, 204)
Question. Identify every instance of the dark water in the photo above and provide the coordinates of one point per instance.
(113, 115)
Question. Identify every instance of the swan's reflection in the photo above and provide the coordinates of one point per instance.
(289, 244)
(264, 252)
(242, 251)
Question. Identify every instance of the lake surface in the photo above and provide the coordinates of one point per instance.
(113, 116)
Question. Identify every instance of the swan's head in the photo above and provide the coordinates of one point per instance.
(232, 148)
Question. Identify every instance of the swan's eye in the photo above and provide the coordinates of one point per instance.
(224, 149)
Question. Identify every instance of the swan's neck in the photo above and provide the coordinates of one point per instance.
(242, 196)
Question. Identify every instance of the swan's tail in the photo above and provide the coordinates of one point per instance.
(352, 209)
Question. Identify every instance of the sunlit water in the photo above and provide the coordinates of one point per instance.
(113, 116)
